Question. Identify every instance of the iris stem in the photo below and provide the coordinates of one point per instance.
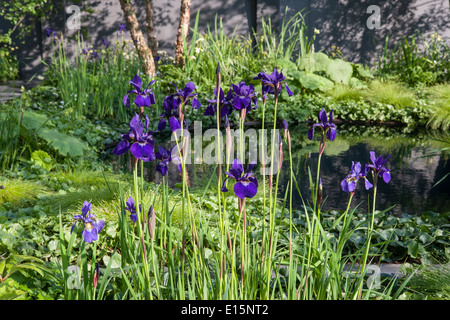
(219, 166)
(369, 233)
(139, 223)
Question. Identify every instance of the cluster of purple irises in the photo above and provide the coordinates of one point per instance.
(240, 97)
(349, 183)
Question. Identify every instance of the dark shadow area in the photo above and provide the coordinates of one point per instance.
(341, 23)
(345, 23)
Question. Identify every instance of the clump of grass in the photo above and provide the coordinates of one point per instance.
(19, 192)
(441, 109)
(389, 92)
(433, 282)
(341, 92)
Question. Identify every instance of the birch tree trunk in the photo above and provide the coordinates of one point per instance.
(150, 27)
(183, 28)
(144, 52)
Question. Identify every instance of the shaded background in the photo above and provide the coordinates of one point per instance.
(341, 23)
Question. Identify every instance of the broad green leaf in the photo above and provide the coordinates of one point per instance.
(356, 83)
(313, 82)
(287, 65)
(42, 159)
(116, 261)
(7, 292)
(364, 72)
(34, 121)
(315, 62)
(64, 144)
(415, 249)
(339, 71)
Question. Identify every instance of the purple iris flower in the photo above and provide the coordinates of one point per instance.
(122, 28)
(185, 94)
(273, 82)
(244, 96)
(170, 106)
(246, 185)
(92, 225)
(181, 97)
(351, 180)
(166, 156)
(131, 207)
(50, 32)
(105, 43)
(144, 97)
(143, 145)
(328, 128)
(378, 167)
(225, 104)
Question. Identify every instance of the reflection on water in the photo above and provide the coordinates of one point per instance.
(415, 167)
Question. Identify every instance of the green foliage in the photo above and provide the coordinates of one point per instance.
(416, 60)
(64, 144)
(11, 265)
(9, 66)
(94, 87)
(440, 118)
(42, 159)
(429, 282)
(315, 62)
(339, 71)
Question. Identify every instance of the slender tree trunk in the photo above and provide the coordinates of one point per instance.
(185, 15)
(144, 52)
(150, 27)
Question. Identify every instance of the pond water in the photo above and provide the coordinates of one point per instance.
(418, 161)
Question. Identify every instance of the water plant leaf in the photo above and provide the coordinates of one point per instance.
(339, 71)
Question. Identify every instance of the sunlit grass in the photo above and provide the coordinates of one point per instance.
(19, 192)
(441, 109)
(390, 92)
(341, 92)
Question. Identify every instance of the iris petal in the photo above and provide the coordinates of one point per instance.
(245, 189)
(142, 151)
(386, 176)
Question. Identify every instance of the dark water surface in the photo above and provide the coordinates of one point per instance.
(418, 161)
